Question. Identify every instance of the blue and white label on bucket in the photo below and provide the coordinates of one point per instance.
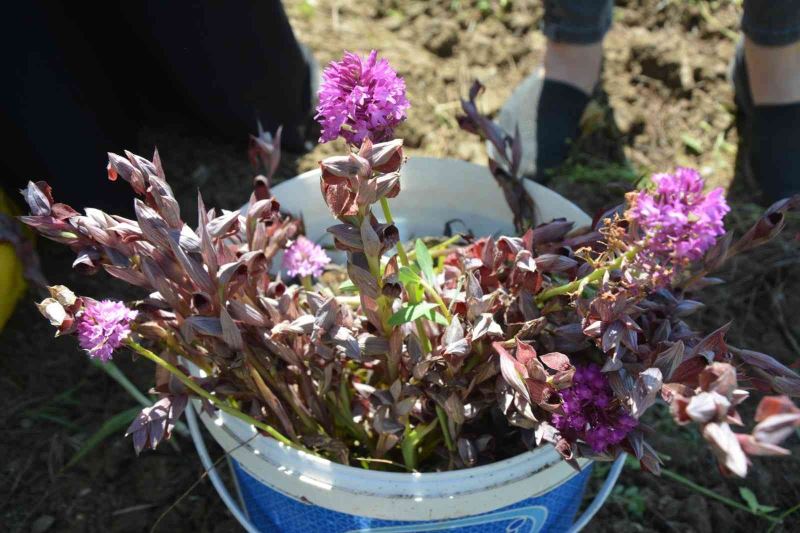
(271, 511)
(520, 520)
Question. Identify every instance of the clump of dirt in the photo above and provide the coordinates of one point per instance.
(665, 101)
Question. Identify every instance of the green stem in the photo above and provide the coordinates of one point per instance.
(374, 263)
(375, 268)
(198, 390)
(448, 440)
(366, 460)
(439, 249)
(275, 382)
(423, 337)
(438, 299)
(116, 374)
(427, 347)
(594, 276)
(353, 301)
(306, 281)
(711, 494)
(409, 456)
(474, 359)
(387, 214)
(783, 516)
(412, 298)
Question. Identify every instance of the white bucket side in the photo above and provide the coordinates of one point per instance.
(389, 495)
(434, 191)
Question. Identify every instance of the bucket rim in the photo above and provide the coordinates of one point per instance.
(389, 495)
(537, 459)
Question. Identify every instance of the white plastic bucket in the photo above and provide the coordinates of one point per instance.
(434, 191)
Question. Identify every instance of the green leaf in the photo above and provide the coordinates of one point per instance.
(116, 374)
(750, 498)
(55, 418)
(752, 501)
(632, 463)
(348, 286)
(411, 442)
(409, 449)
(439, 318)
(425, 261)
(115, 424)
(410, 313)
(694, 145)
(407, 276)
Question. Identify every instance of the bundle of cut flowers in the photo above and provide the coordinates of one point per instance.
(434, 355)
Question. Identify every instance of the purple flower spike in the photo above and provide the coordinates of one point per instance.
(304, 258)
(103, 327)
(679, 221)
(360, 98)
(589, 412)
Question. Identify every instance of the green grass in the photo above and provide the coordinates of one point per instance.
(598, 175)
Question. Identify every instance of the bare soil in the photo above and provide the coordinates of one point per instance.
(665, 101)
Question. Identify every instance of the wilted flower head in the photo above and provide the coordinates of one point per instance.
(304, 258)
(590, 412)
(360, 99)
(103, 327)
(679, 221)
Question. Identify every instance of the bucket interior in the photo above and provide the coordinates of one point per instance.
(433, 193)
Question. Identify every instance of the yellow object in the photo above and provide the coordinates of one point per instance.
(12, 284)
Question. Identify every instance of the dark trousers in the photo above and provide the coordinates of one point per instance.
(81, 79)
(766, 22)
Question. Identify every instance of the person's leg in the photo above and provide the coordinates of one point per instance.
(575, 64)
(575, 31)
(548, 105)
(232, 63)
(774, 72)
(772, 59)
(81, 80)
